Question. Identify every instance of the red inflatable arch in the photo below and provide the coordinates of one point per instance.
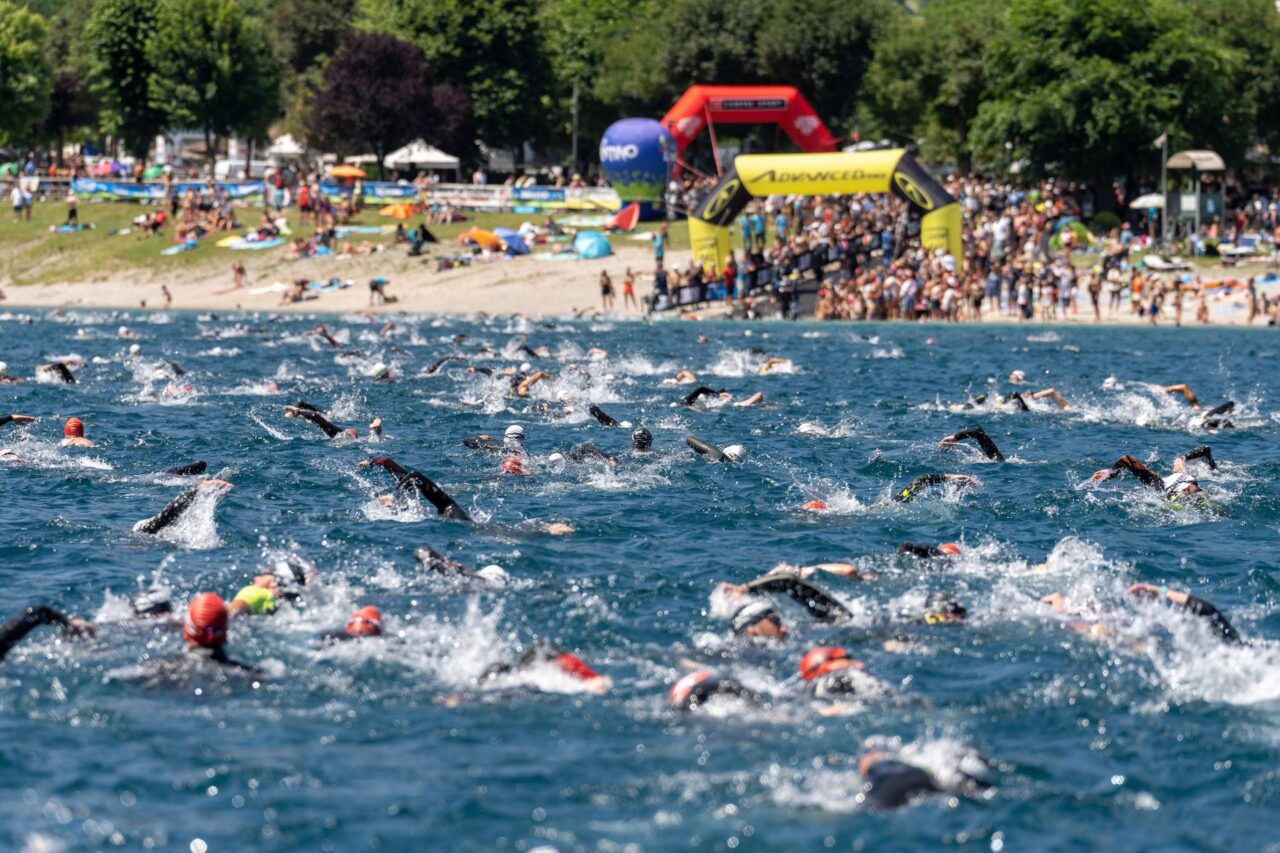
(702, 106)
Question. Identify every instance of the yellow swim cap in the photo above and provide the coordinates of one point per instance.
(261, 601)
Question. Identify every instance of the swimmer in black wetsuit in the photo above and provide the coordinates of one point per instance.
(12, 632)
(190, 469)
(178, 505)
(311, 414)
(434, 561)
(16, 419)
(732, 453)
(429, 371)
(701, 391)
(926, 481)
(415, 480)
(1015, 398)
(1176, 484)
(539, 656)
(588, 451)
(1195, 606)
(641, 440)
(927, 551)
(57, 370)
(696, 689)
(832, 674)
(1212, 418)
(979, 435)
(889, 782)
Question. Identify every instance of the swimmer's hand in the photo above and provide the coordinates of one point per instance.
(215, 485)
(79, 628)
(291, 411)
(600, 685)
(558, 528)
(734, 590)
(947, 443)
(1144, 590)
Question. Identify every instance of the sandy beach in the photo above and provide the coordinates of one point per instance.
(496, 286)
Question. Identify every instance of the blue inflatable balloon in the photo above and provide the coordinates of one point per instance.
(637, 155)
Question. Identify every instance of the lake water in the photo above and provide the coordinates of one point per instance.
(1156, 737)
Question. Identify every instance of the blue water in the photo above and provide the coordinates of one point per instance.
(1158, 737)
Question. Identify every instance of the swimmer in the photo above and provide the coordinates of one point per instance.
(435, 366)
(691, 399)
(12, 632)
(685, 377)
(641, 440)
(188, 470)
(261, 597)
(732, 453)
(57, 371)
(1052, 394)
(942, 607)
(178, 505)
(1210, 419)
(321, 332)
(73, 434)
(1176, 484)
(152, 603)
(544, 655)
(927, 551)
(926, 481)
(520, 386)
(979, 435)
(772, 363)
(831, 673)
(1195, 606)
(5, 378)
(434, 561)
(587, 452)
(415, 480)
(602, 416)
(306, 411)
(889, 782)
(375, 429)
(755, 399)
(844, 570)
(205, 631)
(816, 602)
(696, 689)
(16, 419)
(1015, 399)
(365, 623)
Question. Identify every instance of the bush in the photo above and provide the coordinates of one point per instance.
(1103, 222)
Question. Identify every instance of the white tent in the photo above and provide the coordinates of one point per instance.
(1148, 201)
(361, 160)
(421, 155)
(286, 146)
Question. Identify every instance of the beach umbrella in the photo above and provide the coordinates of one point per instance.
(1148, 201)
(347, 172)
(399, 211)
(515, 243)
(8, 169)
(482, 238)
(591, 245)
(153, 172)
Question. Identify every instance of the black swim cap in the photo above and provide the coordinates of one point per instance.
(752, 614)
(943, 604)
(641, 439)
(151, 602)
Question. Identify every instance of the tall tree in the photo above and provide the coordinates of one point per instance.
(377, 96)
(25, 73)
(213, 69)
(1251, 27)
(1083, 88)
(116, 35)
(492, 48)
(70, 109)
(926, 81)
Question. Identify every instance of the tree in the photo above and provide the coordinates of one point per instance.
(1252, 27)
(213, 69)
(491, 48)
(377, 96)
(823, 48)
(1083, 88)
(70, 108)
(25, 74)
(926, 81)
(117, 36)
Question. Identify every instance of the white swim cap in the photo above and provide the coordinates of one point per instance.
(514, 431)
(122, 331)
(380, 367)
(134, 349)
(734, 452)
(525, 367)
(495, 575)
(4, 369)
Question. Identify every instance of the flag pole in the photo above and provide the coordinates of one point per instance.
(1164, 188)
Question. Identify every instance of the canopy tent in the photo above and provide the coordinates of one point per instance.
(285, 146)
(361, 160)
(1147, 201)
(418, 153)
(1205, 161)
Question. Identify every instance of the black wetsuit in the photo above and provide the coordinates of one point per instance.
(485, 443)
(1211, 419)
(602, 416)
(1153, 480)
(920, 549)
(1015, 398)
(12, 632)
(310, 413)
(817, 603)
(584, 452)
(701, 391)
(924, 481)
(440, 363)
(704, 690)
(6, 419)
(197, 467)
(64, 372)
(891, 784)
(415, 480)
(710, 451)
(979, 435)
(1205, 610)
(434, 561)
(168, 515)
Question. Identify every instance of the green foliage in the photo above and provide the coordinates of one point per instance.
(116, 38)
(492, 49)
(1104, 222)
(213, 69)
(25, 73)
(1084, 87)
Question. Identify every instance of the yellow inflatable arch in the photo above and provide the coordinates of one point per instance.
(759, 175)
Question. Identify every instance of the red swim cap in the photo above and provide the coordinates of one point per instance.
(365, 622)
(815, 506)
(206, 621)
(679, 692)
(573, 665)
(951, 549)
(73, 428)
(352, 433)
(818, 661)
(513, 465)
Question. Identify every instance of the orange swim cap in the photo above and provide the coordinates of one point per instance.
(818, 661)
(365, 622)
(513, 465)
(951, 549)
(815, 506)
(73, 428)
(574, 665)
(206, 623)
